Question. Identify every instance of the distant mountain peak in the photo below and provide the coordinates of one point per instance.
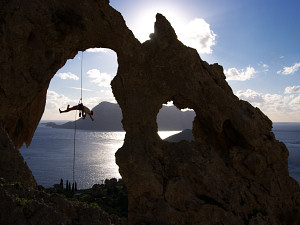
(108, 117)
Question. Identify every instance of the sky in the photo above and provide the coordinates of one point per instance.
(256, 42)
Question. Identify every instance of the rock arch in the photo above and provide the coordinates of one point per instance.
(235, 173)
(37, 39)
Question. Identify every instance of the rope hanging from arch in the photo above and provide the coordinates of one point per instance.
(81, 76)
(75, 127)
(83, 111)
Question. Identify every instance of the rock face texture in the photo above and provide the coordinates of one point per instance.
(12, 165)
(20, 205)
(235, 172)
(37, 37)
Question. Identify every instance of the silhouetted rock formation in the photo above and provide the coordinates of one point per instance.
(235, 172)
(20, 205)
(12, 165)
(185, 135)
(37, 37)
(108, 117)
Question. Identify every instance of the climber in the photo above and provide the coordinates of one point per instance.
(84, 110)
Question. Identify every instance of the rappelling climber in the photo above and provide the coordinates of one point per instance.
(84, 110)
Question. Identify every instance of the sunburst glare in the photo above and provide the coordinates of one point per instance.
(144, 22)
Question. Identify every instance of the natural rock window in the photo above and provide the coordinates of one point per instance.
(175, 125)
(53, 141)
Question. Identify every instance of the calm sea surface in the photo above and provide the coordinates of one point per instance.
(50, 155)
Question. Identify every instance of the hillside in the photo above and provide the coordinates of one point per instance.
(108, 117)
(185, 135)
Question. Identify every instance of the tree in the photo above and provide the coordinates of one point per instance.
(61, 184)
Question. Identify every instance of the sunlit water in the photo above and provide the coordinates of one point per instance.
(50, 155)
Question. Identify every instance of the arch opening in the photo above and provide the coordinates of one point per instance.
(174, 124)
(50, 154)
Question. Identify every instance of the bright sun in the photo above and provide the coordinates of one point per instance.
(193, 32)
(143, 24)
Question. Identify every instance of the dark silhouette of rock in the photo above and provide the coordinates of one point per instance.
(22, 205)
(12, 165)
(185, 135)
(46, 35)
(235, 172)
(108, 117)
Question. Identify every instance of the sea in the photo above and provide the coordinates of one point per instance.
(50, 155)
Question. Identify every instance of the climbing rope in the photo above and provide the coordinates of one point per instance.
(81, 77)
(75, 127)
(74, 152)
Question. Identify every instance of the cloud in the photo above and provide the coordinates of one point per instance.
(295, 103)
(250, 96)
(197, 34)
(265, 67)
(263, 101)
(241, 75)
(78, 88)
(67, 75)
(283, 108)
(98, 50)
(289, 70)
(101, 79)
(55, 100)
(292, 89)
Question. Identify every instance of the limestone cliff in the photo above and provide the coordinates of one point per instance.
(12, 165)
(37, 37)
(235, 172)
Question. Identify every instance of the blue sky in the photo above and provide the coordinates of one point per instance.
(256, 41)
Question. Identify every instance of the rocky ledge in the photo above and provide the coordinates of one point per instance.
(23, 205)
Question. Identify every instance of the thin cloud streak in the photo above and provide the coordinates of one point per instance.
(77, 88)
(96, 50)
(289, 70)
